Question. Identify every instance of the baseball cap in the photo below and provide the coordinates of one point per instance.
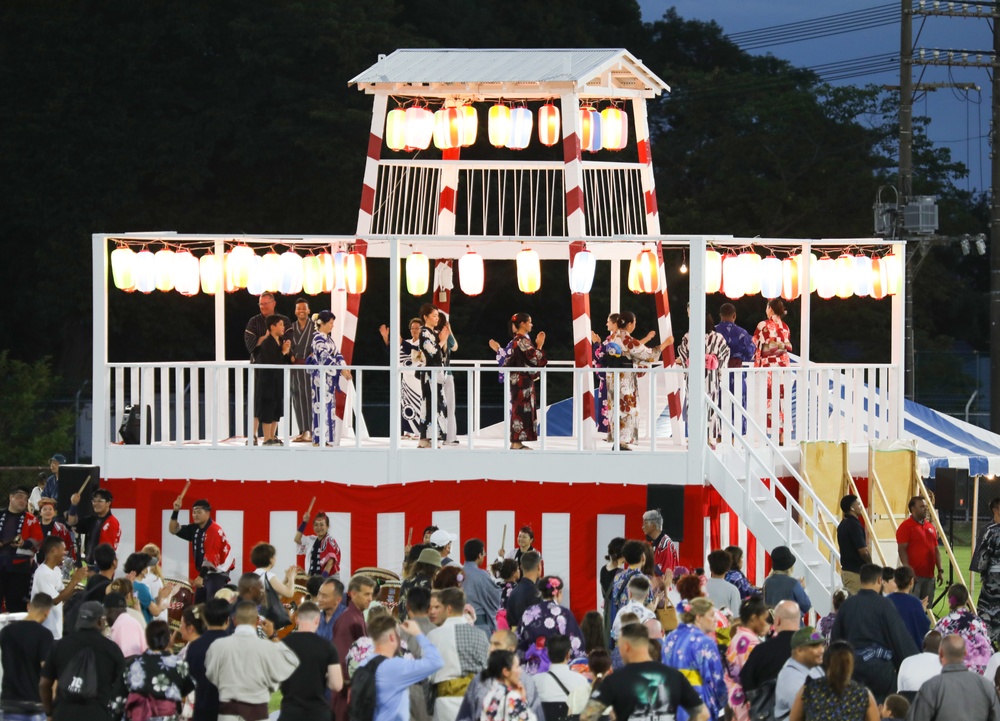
(58, 458)
(91, 613)
(807, 636)
(441, 538)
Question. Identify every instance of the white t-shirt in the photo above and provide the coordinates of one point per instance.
(991, 667)
(155, 585)
(917, 669)
(50, 581)
(550, 692)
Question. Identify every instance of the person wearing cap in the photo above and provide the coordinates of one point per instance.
(423, 571)
(126, 631)
(806, 661)
(780, 585)
(48, 579)
(441, 542)
(51, 527)
(213, 556)
(109, 665)
(325, 385)
(300, 333)
(666, 555)
(20, 539)
(853, 543)
(100, 528)
(873, 626)
(51, 489)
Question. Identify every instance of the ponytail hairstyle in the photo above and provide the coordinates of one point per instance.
(627, 317)
(618, 320)
(516, 320)
(324, 316)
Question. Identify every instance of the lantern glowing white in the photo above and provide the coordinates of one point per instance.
(750, 272)
(826, 277)
(210, 273)
(419, 127)
(521, 125)
(291, 273)
(395, 129)
(770, 277)
(164, 269)
(418, 273)
(844, 275)
(498, 125)
(581, 272)
(614, 128)
(880, 279)
(713, 271)
(238, 265)
(548, 124)
(648, 268)
(590, 129)
(790, 269)
(894, 273)
(471, 120)
(449, 128)
(529, 271)
(145, 271)
(123, 268)
(471, 274)
(340, 270)
(312, 275)
(862, 275)
(355, 273)
(732, 276)
(187, 279)
(271, 268)
(255, 276)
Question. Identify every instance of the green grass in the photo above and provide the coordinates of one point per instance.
(963, 554)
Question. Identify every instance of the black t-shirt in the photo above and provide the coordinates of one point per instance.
(649, 691)
(765, 663)
(607, 578)
(206, 696)
(525, 594)
(110, 676)
(24, 646)
(851, 537)
(304, 692)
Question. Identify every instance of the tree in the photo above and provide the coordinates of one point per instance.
(30, 431)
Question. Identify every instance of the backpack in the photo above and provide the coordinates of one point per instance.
(363, 694)
(761, 701)
(78, 681)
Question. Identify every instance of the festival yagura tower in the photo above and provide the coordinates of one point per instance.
(580, 99)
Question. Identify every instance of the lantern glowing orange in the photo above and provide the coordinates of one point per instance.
(210, 273)
(790, 269)
(529, 271)
(238, 265)
(123, 268)
(355, 273)
(844, 275)
(548, 124)
(894, 273)
(633, 275)
(470, 119)
(271, 269)
(498, 125)
(418, 273)
(750, 270)
(713, 271)
(449, 128)
(395, 129)
(614, 128)
(590, 129)
(648, 269)
(880, 279)
(328, 276)
(471, 274)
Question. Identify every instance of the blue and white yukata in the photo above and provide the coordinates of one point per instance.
(324, 401)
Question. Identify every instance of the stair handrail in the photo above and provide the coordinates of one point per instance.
(790, 502)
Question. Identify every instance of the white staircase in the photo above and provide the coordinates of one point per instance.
(738, 471)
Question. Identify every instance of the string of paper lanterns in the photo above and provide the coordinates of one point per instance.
(415, 126)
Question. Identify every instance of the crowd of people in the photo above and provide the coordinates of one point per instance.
(273, 339)
(476, 638)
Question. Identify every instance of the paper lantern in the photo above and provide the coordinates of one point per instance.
(894, 273)
(713, 271)
(590, 129)
(339, 271)
(210, 273)
(750, 269)
(312, 275)
(732, 276)
(145, 271)
(790, 271)
(418, 273)
(826, 278)
(471, 120)
(187, 277)
(238, 265)
(521, 125)
(581, 272)
(291, 273)
(880, 279)
(499, 125)
(813, 260)
(271, 268)
(844, 275)
(529, 271)
(355, 273)
(862, 275)
(471, 273)
(227, 277)
(770, 277)
(395, 129)
(123, 268)
(164, 269)
(449, 128)
(255, 276)
(328, 276)
(548, 124)
(419, 127)
(633, 275)
(648, 268)
(614, 128)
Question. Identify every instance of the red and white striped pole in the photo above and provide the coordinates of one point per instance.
(447, 204)
(576, 227)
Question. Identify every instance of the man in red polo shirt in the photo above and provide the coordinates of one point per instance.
(918, 548)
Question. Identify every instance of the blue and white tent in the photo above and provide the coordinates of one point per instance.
(947, 442)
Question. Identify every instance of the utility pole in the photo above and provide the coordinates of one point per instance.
(995, 241)
(906, 180)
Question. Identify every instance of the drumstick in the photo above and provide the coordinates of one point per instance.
(311, 504)
(83, 486)
(184, 492)
(503, 538)
(409, 536)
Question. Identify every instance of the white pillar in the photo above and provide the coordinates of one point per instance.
(803, 386)
(697, 431)
(101, 411)
(895, 394)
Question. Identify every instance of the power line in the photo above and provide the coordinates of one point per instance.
(812, 21)
(842, 23)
